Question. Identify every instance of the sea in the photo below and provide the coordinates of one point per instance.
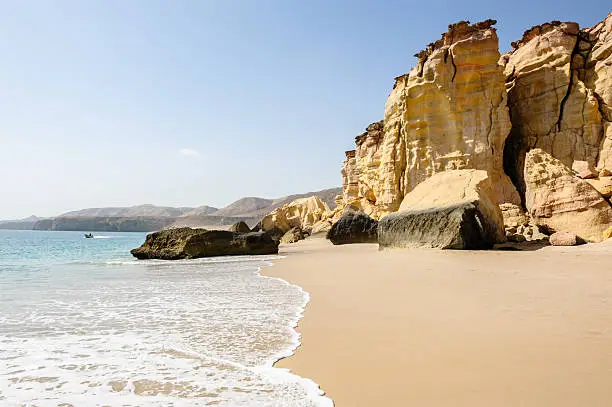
(83, 323)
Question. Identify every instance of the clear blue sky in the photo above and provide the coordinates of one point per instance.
(185, 103)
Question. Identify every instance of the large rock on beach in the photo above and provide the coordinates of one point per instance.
(451, 210)
(558, 200)
(188, 243)
(354, 227)
(565, 238)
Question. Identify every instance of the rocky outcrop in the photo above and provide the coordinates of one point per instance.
(360, 170)
(187, 243)
(302, 213)
(465, 106)
(598, 78)
(558, 80)
(448, 113)
(451, 210)
(354, 227)
(240, 227)
(560, 201)
(293, 235)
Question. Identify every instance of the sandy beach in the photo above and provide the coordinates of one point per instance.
(448, 328)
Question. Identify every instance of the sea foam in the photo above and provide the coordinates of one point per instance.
(150, 333)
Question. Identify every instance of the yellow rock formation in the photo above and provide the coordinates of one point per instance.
(558, 200)
(302, 213)
(464, 106)
(448, 113)
(559, 80)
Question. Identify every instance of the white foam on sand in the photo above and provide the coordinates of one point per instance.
(171, 334)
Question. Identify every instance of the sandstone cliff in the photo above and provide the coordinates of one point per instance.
(465, 106)
(558, 82)
(360, 170)
(449, 112)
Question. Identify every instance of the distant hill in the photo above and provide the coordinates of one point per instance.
(19, 224)
(244, 207)
(259, 207)
(147, 218)
(201, 211)
(132, 211)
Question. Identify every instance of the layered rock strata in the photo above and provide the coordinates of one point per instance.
(360, 170)
(465, 106)
(558, 200)
(558, 80)
(448, 113)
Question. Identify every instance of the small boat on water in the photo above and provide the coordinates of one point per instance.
(89, 235)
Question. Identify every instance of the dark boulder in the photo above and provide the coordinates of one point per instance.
(454, 209)
(460, 226)
(187, 243)
(240, 227)
(353, 227)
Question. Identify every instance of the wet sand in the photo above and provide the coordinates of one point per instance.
(446, 328)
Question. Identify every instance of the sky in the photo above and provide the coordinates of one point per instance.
(188, 103)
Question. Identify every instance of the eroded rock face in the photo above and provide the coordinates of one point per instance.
(448, 113)
(188, 243)
(302, 213)
(558, 81)
(513, 215)
(466, 107)
(354, 227)
(451, 210)
(603, 185)
(560, 201)
(360, 170)
(598, 78)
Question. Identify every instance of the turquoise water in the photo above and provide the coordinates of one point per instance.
(82, 323)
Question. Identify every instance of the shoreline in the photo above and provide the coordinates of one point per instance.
(441, 328)
(312, 388)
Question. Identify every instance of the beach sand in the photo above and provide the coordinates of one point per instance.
(454, 328)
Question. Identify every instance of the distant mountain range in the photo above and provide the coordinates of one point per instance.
(147, 218)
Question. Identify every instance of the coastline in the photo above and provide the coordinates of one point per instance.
(313, 390)
(442, 328)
